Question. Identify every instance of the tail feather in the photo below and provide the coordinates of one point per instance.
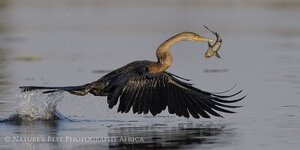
(76, 90)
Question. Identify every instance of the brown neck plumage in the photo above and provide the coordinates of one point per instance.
(164, 57)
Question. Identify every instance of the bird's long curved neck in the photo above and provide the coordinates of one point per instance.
(164, 57)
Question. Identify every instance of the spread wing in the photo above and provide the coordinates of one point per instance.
(146, 93)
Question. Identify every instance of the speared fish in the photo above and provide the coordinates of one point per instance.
(213, 49)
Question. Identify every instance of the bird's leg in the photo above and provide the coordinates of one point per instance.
(79, 93)
(81, 90)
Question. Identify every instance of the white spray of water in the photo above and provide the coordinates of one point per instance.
(36, 105)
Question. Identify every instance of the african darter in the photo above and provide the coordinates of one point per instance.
(146, 86)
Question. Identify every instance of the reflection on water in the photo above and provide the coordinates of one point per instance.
(30, 134)
(39, 134)
(164, 137)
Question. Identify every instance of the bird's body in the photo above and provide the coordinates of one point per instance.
(145, 86)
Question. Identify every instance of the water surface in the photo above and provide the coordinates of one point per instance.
(75, 42)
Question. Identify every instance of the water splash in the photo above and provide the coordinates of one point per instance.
(35, 105)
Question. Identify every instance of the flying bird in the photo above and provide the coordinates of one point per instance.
(145, 86)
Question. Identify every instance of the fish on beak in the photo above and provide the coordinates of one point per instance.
(213, 49)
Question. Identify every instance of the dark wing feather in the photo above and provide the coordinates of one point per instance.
(153, 93)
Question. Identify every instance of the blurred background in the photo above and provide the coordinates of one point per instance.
(72, 42)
